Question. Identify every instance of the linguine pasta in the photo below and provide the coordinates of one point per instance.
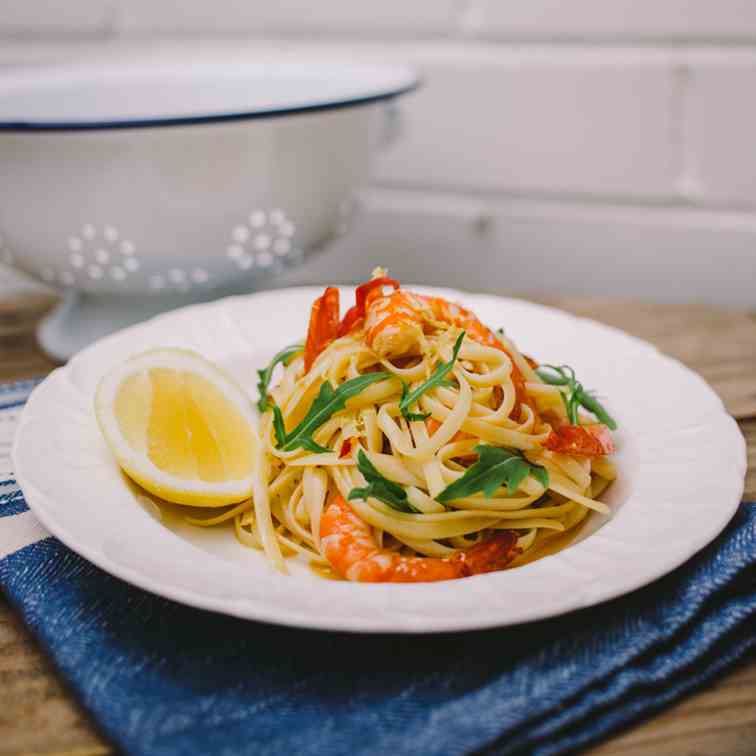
(486, 455)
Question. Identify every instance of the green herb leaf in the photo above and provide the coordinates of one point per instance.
(495, 467)
(571, 405)
(593, 405)
(327, 402)
(311, 445)
(576, 395)
(278, 425)
(436, 379)
(541, 474)
(559, 377)
(409, 416)
(264, 376)
(380, 488)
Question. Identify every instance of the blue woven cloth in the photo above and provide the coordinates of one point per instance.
(161, 678)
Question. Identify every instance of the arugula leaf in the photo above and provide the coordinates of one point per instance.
(380, 488)
(327, 402)
(403, 404)
(438, 376)
(541, 474)
(558, 377)
(576, 396)
(264, 376)
(494, 468)
(589, 401)
(278, 425)
(310, 445)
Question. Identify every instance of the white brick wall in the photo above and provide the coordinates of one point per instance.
(567, 123)
(48, 18)
(609, 142)
(722, 131)
(523, 246)
(661, 20)
(297, 17)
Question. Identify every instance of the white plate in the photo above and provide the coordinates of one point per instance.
(681, 470)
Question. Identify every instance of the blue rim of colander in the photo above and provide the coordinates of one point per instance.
(207, 118)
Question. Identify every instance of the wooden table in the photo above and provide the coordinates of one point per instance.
(39, 716)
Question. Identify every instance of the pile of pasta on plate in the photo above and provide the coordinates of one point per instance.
(403, 441)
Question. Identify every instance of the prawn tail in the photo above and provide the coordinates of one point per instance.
(488, 556)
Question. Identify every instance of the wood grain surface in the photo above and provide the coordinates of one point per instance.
(39, 716)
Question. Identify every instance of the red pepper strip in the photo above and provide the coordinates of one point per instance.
(357, 313)
(324, 325)
(592, 440)
(346, 448)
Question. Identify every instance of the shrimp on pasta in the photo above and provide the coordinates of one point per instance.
(406, 441)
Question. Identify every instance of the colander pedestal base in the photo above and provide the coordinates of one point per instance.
(83, 318)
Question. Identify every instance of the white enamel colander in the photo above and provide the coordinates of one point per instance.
(137, 187)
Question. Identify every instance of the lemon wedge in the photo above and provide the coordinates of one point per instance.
(180, 427)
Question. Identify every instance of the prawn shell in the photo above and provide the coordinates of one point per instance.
(395, 323)
(593, 440)
(348, 544)
(324, 325)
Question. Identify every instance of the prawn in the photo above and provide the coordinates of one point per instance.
(395, 324)
(324, 325)
(349, 546)
(592, 440)
(324, 316)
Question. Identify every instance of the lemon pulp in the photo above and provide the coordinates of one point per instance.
(179, 427)
(184, 424)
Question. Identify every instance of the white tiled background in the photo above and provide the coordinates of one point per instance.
(600, 147)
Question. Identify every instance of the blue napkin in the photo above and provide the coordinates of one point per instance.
(161, 678)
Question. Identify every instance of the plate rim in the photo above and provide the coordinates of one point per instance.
(248, 608)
